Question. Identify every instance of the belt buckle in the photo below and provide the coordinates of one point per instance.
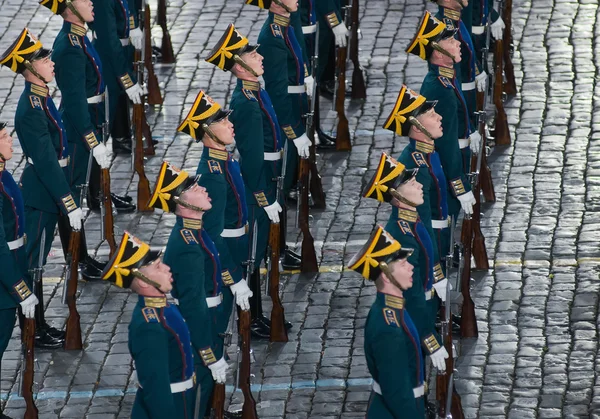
(246, 228)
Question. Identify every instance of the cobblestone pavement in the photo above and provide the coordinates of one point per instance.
(537, 306)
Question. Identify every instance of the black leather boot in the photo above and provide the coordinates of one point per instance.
(121, 204)
(121, 145)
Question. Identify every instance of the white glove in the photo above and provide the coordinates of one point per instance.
(497, 28)
(438, 359)
(28, 306)
(441, 288)
(136, 36)
(242, 294)
(475, 139)
(309, 83)
(135, 93)
(481, 81)
(76, 219)
(467, 201)
(302, 143)
(273, 211)
(341, 33)
(219, 371)
(102, 156)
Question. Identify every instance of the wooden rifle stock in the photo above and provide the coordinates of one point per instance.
(441, 383)
(501, 132)
(154, 96)
(73, 330)
(485, 174)
(342, 139)
(309, 255)
(28, 338)
(218, 401)
(166, 48)
(359, 89)
(109, 222)
(468, 321)
(510, 87)
(249, 407)
(278, 329)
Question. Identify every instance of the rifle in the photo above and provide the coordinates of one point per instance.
(468, 321)
(107, 231)
(316, 185)
(85, 187)
(501, 131)
(359, 89)
(479, 250)
(73, 330)
(143, 190)
(218, 401)
(154, 96)
(510, 87)
(342, 142)
(166, 48)
(243, 381)
(450, 402)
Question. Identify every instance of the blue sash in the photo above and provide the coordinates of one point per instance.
(213, 253)
(176, 323)
(13, 191)
(438, 174)
(237, 184)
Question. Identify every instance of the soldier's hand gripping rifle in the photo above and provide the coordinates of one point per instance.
(73, 330)
(28, 340)
(450, 404)
(342, 139)
(479, 250)
(107, 231)
(278, 329)
(510, 87)
(468, 322)
(249, 407)
(166, 48)
(139, 118)
(359, 89)
(501, 131)
(154, 96)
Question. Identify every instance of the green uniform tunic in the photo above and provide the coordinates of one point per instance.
(394, 360)
(328, 14)
(159, 343)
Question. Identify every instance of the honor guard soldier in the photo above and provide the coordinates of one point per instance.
(116, 35)
(392, 343)
(284, 79)
(194, 261)
(332, 33)
(395, 184)
(45, 189)
(437, 45)
(15, 289)
(253, 118)
(159, 339)
(480, 17)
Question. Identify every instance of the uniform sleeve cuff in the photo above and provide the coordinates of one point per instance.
(226, 277)
(261, 199)
(332, 19)
(22, 290)
(90, 139)
(289, 132)
(126, 81)
(458, 187)
(68, 203)
(131, 22)
(208, 356)
(430, 344)
(438, 273)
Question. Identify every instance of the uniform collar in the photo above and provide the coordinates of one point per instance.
(423, 147)
(392, 301)
(450, 13)
(216, 154)
(40, 91)
(2, 166)
(250, 85)
(444, 71)
(75, 29)
(155, 302)
(281, 20)
(407, 215)
(191, 223)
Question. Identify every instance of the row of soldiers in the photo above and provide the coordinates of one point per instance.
(205, 263)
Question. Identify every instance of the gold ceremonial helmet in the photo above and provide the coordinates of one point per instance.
(229, 49)
(390, 174)
(204, 112)
(409, 105)
(170, 184)
(431, 31)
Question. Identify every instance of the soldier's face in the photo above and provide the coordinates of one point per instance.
(402, 271)
(6, 143)
(432, 122)
(45, 68)
(197, 196)
(413, 191)
(223, 130)
(85, 9)
(452, 45)
(291, 4)
(160, 273)
(255, 61)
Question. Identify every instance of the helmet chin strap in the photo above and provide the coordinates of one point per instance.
(187, 205)
(438, 48)
(388, 273)
(136, 273)
(243, 64)
(420, 126)
(29, 67)
(73, 9)
(280, 3)
(212, 135)
(402, 199)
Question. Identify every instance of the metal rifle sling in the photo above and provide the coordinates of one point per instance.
(85, 186)
(449, 395)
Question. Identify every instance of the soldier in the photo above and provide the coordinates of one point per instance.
(480, 17)
(333, 32)
(194, 260)
(392, 348)
(16, 285)
(436, 44)
(46, 192)
(159, 339)
(395, 184)
(253, 117)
